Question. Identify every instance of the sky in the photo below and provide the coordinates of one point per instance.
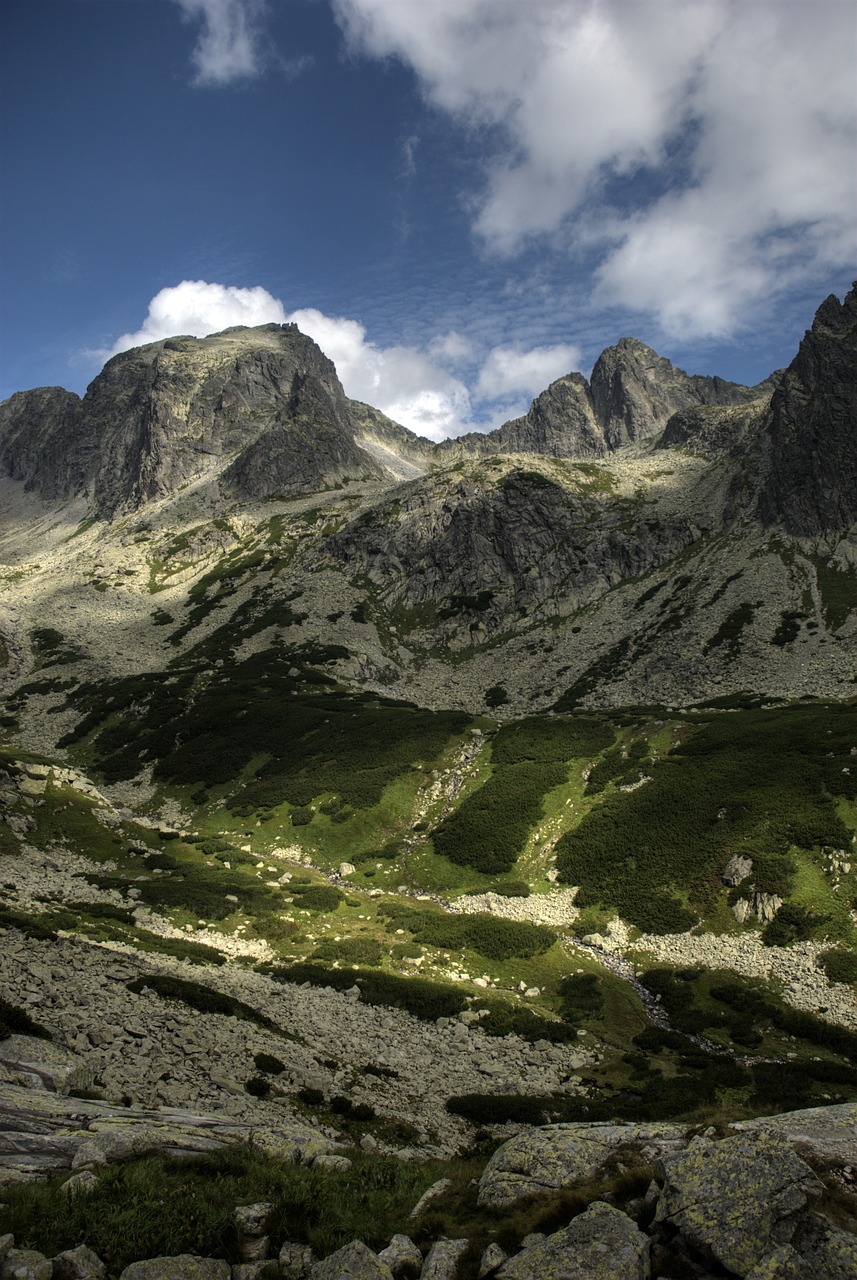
(459, 200)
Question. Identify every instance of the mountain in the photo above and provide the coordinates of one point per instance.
(360, 790)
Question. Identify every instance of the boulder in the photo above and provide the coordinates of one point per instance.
(264, 1269)
(558, 1155)
(296, 1261)
(184, 1266)
(737, 869)
(737, 1200)
(252, 1222)
(491, 1259)
(599, 1244)
(828, 1253)
(25, 1264)
(353, 1261)
(78, 1264)
(784, 1263)
(442, 1260)
(44, 1064)
(402, 1257)
(436, 1189)
(80, 1184)
(829, 1133)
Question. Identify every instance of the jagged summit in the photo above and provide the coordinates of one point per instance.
(261, 406)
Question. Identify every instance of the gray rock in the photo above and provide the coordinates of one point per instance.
(737, 1200)
(402, 1257)
(296, 1261)
(265, 1269)
(7, 1242)
(737, 869)
(184, 1266)
(491, 1259)
(784, 1263)
(828, 1253)
(80, 1184)
(353, 1261)
(436, 1189)
(559, 1155)
(25, 1264)
(827, 1132)
(53, 1066)
(442, 1260)
(599, 1244)
(78, 1264)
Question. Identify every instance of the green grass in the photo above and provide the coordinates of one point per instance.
(161, 1208)
(759, 783)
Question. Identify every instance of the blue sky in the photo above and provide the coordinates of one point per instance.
(459, 199)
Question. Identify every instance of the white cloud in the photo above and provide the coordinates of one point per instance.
(198, 308)
(230, 45)
(509, 371)
(710, 145)
(403, 382)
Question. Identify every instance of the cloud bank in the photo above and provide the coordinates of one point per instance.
(701, 153)
(438, 392)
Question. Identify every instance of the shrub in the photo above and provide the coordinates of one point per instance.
(258, 1087)
(353, 951)
(581, 996)
(301, 817)
(268, 1064)
(839, 965)
(16, 1021)
(203, 999)
(418, 996)
(316, 897)
(791, 924)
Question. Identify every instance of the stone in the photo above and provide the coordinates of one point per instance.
(737, 1200)
(331, 1161)
(184, 1266)
(436, 1189)
(7, 1242)
(25, 1264)
(80, 1184)
(346, 868)
(784, 1263)
(353, 1261)
(402, 1257)
(491, 1259)
(828, 1253)
(829, 1133)
(296, 1261)
(599, 1244)
(265, 1269)
(737, 869)
(442, 1260)
(557, 1156)
(78, 1264)
(54, 1067)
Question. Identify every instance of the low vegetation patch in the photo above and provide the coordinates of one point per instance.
(197, 996)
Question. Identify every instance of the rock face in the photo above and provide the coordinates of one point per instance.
(811, 486)
(599, 1244)
(738, 1200)
(264, 403)
(631, 397)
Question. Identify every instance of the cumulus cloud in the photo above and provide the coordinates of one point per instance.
(510, 371)
(230, 45)
(198, 308)
(704, 152)
(403, 382)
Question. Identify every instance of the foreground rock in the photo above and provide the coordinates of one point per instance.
(738, 1200)
(599, 1244)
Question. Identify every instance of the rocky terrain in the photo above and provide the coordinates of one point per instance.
(364, 799)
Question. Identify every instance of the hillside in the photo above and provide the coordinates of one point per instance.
(493, 783)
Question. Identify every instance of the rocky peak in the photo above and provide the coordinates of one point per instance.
(811, 486)
(174, 411)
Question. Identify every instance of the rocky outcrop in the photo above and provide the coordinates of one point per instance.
(264, 402)
(601, 1243)
(811, 484)
(632, 395)
(738, 1200)
(487, 550)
